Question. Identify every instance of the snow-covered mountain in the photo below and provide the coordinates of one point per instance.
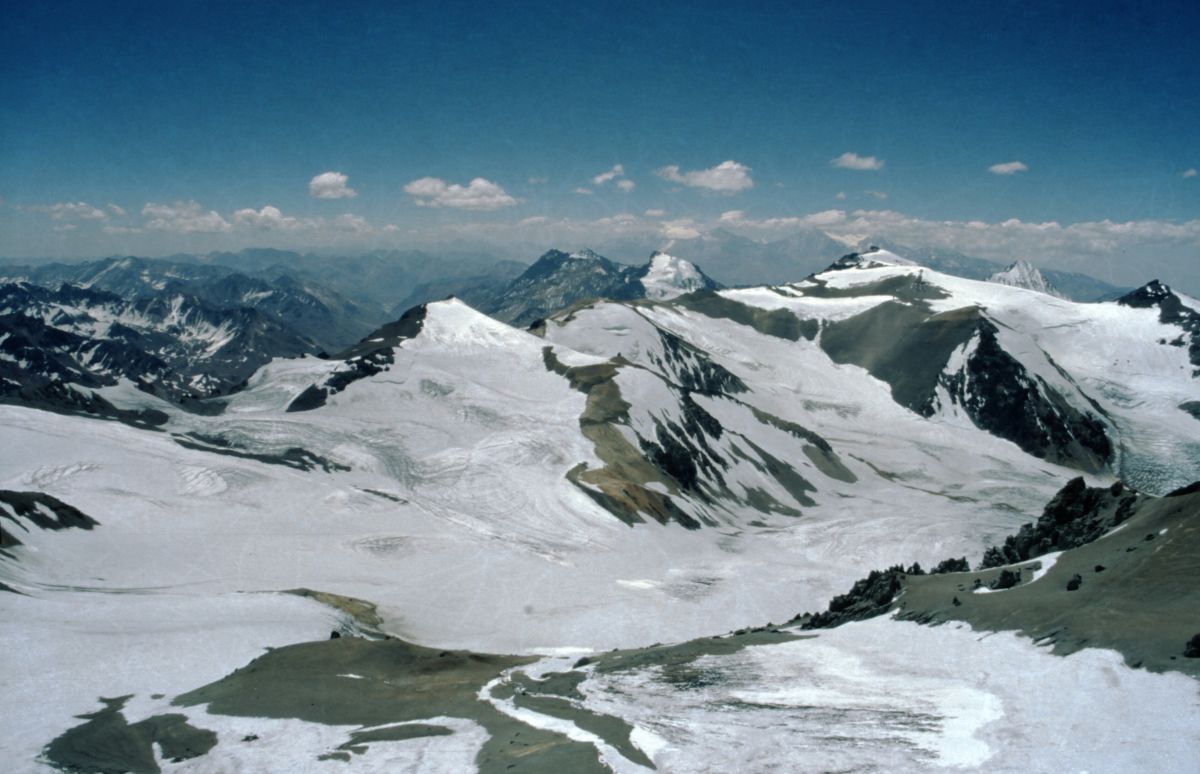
(558, 280)
(308, 308)
(171, 344)
(632, 471)
(1072, 285)
(666, 276)
(1179, 312)
(1023, 274)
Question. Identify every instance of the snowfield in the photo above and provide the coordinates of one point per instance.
(900, 697)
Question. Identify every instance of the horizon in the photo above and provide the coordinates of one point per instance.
(1019, 133)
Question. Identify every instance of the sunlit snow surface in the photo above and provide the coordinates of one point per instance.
(884, 695)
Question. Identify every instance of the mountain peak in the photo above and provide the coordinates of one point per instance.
(868, 259)
(1023, 274)
(666, 276)
(1153, 293)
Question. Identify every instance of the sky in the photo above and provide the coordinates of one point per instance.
(1066, 134)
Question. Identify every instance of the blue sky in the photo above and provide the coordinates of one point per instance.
(184, 114)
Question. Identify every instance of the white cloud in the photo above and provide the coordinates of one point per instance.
(1189, 173)
(726, 177)
(66, 228)
(547, 230)
(538, 180)
(626, 185)
(618, 170)
(850, 160)
(877, 194)
(331, 185)
(684, 228)
(583, 191)
(352, 223)
(71, 211)
(390, 228)
(841, 196)
(184, 218)
(1008, 168)
(479, 194)
(825, 218)
(110, 229)
(269, 219)
(116, 210)
(655, 213)
(774, 227)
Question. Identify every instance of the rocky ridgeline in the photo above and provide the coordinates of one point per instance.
(1077, 515)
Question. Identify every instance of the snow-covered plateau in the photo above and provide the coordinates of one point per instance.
(626, 474)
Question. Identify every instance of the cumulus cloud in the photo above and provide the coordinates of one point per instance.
(726, 177)
(583, 191)
(877, 194)
(626, 185)
(1008, 168)
(774, 227)
(183, 218)
(111, 229)
(479, 194)
(841, 196)
(268, 219)
(331, 185)
(618, 170)
(1189, 173)
(351, 223)
(684, 228)
(71, 211)
(655, 213)
(550, 230)
(116, 210)
(850, 160)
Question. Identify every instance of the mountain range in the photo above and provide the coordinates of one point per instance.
(853, 505)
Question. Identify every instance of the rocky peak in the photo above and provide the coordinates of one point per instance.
(1153, 293)
(1023, 274)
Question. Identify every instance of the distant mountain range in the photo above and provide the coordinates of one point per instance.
(308, 308)
(736, 260)
(557, 280)
(193, 327)
(58, 347)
